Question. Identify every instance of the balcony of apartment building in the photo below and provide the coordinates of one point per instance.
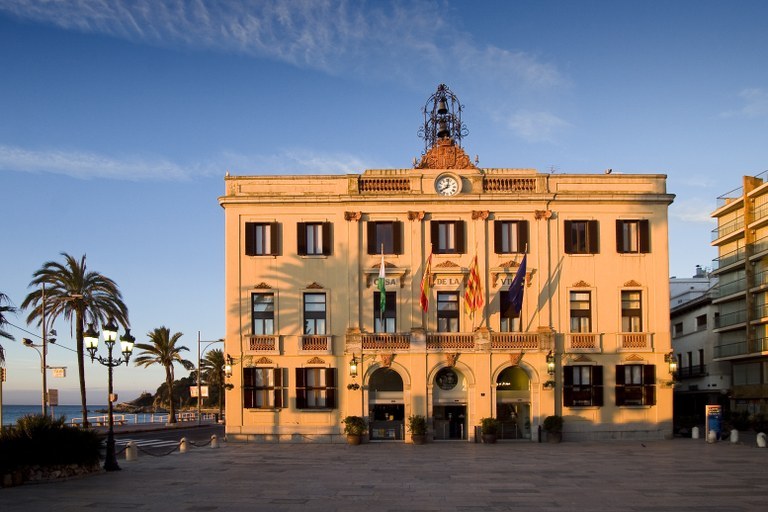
(730, 260)
(273, 344)
(726, 291)
(691, 372)
(728, 231)
(731, 320)
(743, 348)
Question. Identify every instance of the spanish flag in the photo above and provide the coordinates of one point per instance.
(425, 281)
(473, 295)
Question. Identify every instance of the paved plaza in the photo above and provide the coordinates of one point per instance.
(676, 476)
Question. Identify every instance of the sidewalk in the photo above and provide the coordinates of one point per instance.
(680, 475)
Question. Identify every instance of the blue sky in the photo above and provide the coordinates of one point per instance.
(118, 121)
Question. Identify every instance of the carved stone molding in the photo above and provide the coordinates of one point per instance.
(634, 358)
(514, 359)
(480, 214)
(581, 358)
(445, 155)
(542, 214)
(581, 284)
(632, 284)
(386, 360)
(416, 215)
(451, 359)
(316, 360)
(263, 360)
(262, 286)
(314, 286)
(391, 270)
(356, 216)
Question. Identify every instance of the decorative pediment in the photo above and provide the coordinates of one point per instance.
(634, 358)
(509, 268)
(263, 360)
(391, 270)
(632, 284)
(262, 286)
(581, 358)
(314, 286)
(445, 155)
(356, 216)
(447, 264)
(581, 284)
(316, 360)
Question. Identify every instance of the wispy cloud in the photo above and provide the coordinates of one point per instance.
(755, 104)
(692, 210)
(85, 165)
(536, 126)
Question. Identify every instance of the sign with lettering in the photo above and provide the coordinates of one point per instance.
(714, 415)
(53, 397)
(59, 373)
(447, 281)
(193, 391)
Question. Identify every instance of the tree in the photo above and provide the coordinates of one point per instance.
(212, 368)
(78, 295)
(163, 351)
(4, 308)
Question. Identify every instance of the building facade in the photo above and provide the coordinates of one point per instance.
(741, 295)
(314, 334)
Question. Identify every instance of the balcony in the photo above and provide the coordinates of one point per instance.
(726, 289)
(729, 258)
(732, 318)
(692, 372)
(450, 341)
(315, 343)
(727, 228)
(515, 341)
(760, 279)
(582, 342)
(741, 348)
(262, 343)
(635, 341)
(386, 341)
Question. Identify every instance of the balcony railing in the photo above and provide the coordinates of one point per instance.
(725, 289)
(262, 343)
(582, 342)
(515, 341)
(386, 341)
(732, 318)
(690, 372)
(318, 343)
(729, 258)
(385, 185)
(450, 341)
(760, 245)
(635, 341)
(729, 227)
(508, 184)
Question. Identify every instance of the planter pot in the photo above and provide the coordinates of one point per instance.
(489, 438)
(554, 437)
(418, 438)
(354, 439)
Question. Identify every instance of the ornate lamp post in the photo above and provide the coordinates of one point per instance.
(126, 345)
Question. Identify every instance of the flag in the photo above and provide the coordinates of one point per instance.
(381, 284)
(425, 278)
(517, 288)
(473, 295)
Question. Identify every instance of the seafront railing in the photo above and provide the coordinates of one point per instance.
(142, 418)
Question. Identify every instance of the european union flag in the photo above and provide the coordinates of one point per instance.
(517, 288)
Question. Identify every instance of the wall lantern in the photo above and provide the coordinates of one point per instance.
(228, 366)
(551, 363)
(353, 367)
(671, 360)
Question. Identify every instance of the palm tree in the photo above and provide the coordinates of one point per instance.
(7, 308)
(212, 368)
(80, 296)
(163, 351)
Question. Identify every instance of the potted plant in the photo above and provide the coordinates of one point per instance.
(490, 429)
(553, 426)
(417, 426)
(354, 427)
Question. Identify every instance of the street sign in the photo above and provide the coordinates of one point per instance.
(59, 373)
(53, 397)
(193, 391)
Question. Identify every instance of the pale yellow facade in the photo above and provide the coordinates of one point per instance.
(596, 301)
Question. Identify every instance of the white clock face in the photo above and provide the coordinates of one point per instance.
(447, 186)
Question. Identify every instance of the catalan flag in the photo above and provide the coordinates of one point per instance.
(425, 281)
(517, 288)
(473, 295)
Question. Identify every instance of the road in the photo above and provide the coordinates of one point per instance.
(163, 441)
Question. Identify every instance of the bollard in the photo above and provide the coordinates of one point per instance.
(214, 441)
(711, 436)
(761, 440)
(734, 436)
(131, 451)
(695, 433)
(183, 445)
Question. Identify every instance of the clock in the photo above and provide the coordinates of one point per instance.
(447, 185)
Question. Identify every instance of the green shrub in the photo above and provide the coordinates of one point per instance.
(489, 426)
(417, 425)
(553, 424)
(354, 425)
(44, 441)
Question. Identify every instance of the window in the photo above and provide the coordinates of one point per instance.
(581, 311)
(262, 388)
(509, 320)
(447, 237)
(677, 329)
(510, 237)
(582, 386)
(701, 323)
(581, 237)
(701, 360)
(315, 388)
(314, 314)
(632, 236)
(636, 384)
(385, 321)
(261, 238)
(386, 234)
(263, 313)
(447, 311)
(314, 238)
(631, 311)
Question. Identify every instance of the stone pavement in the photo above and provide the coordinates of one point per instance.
(677, 476)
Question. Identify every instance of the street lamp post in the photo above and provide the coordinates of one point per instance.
(199, 362)
(126, 345)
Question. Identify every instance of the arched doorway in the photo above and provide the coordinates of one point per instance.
(449, 404)
(513, 403)
(386, 405)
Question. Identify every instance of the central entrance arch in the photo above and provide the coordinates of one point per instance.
(513, 403)
(386, 405)
(449, 404)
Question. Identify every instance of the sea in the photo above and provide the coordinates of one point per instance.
(96, 413)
